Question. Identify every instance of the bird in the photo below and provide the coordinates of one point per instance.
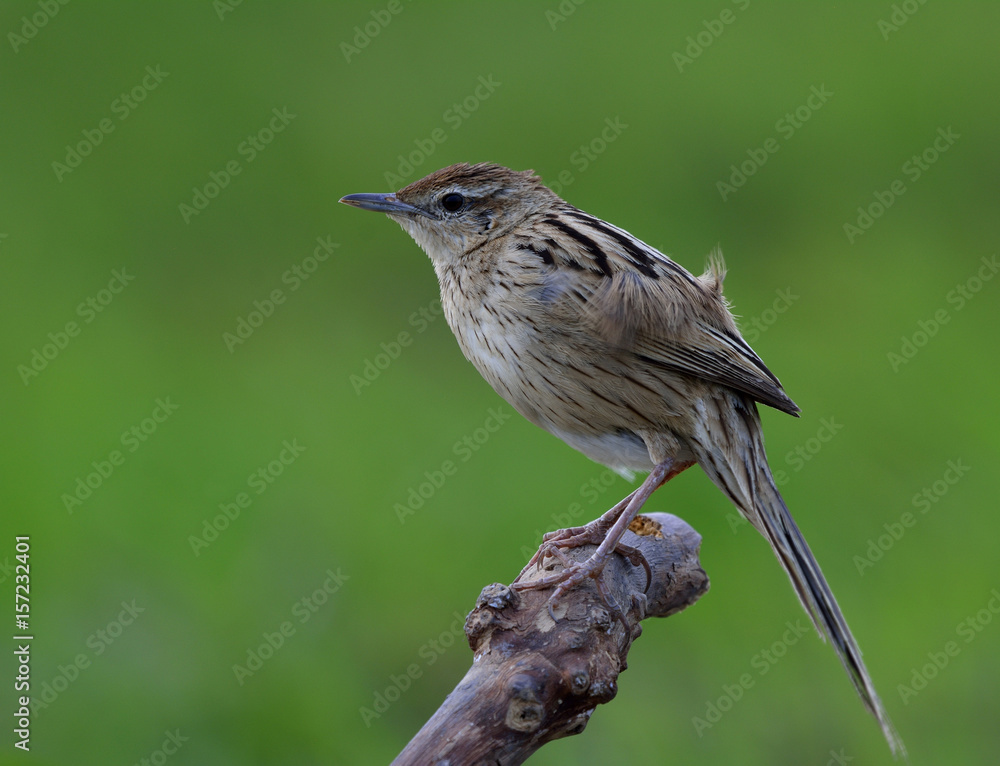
(623, 354)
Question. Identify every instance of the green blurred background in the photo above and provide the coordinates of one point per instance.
(182, 88)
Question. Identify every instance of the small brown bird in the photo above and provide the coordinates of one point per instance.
(605, 342)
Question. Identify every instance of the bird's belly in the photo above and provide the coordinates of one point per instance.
(576, 393)
(624, 452)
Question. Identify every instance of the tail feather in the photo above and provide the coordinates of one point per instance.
(746, 479)
(814, 593)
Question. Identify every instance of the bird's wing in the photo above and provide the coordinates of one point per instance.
(718, 357)
(641, 302)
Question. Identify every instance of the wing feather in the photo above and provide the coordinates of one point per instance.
(641, 302)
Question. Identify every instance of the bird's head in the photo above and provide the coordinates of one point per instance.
(461, 207)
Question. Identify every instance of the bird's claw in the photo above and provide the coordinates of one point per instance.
(575, 573)
(553, 544)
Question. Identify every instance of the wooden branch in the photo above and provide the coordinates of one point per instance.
(533, 680)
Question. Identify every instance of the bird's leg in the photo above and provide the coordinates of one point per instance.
(598, 526)
(573, 537)
(606, 532)
(593, 533)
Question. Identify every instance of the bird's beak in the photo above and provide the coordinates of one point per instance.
(384, 203)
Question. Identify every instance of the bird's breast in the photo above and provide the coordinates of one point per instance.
(557, 377)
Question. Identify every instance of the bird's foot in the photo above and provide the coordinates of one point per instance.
(606, 533)
(575, 573)
(553, 544)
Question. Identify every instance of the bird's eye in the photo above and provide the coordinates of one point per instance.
(452, 202)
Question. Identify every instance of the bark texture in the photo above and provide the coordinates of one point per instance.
(533, 679)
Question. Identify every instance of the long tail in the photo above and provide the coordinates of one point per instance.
(742, 472)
